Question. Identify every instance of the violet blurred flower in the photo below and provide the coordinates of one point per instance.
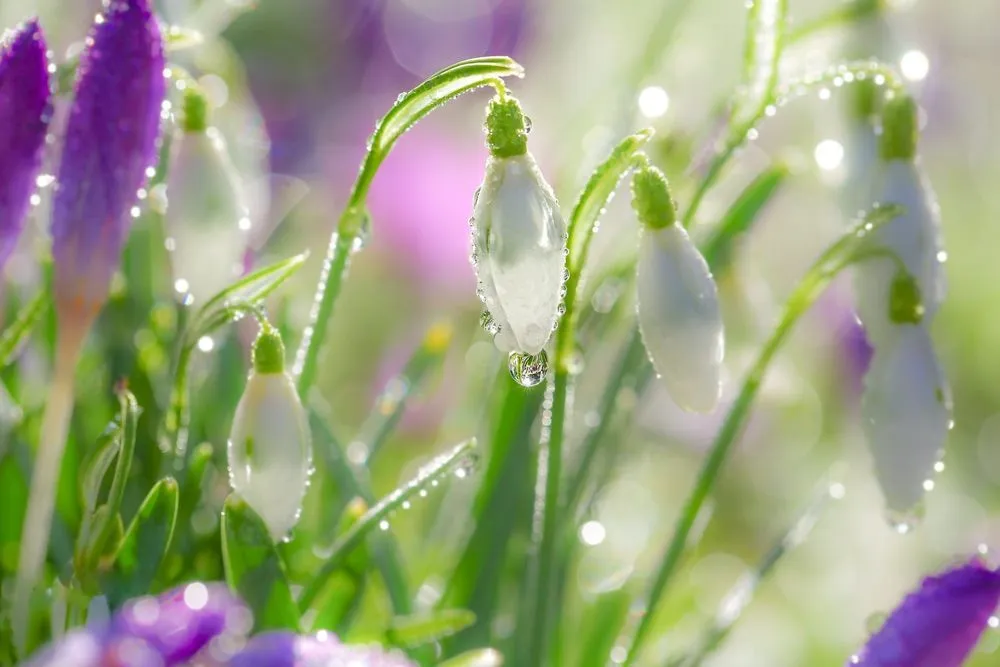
(939, 624)
(156, 631)
(25, 109)
(111, 141)
(285, 649)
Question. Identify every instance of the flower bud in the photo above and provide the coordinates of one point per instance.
(207, 215)
(939, 624)
(906, 415)
(678, 303)
(270, 455)
(25, 108)
(110, 142)
(518, 238)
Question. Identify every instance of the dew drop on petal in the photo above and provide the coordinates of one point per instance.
(528, 370)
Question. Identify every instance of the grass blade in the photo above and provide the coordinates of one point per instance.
(17, 333)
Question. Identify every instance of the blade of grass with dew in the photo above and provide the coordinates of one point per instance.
(438, 89)
(430, 475)
(391, 402)
(837, 257)
(428, 627)
(740, 595)
(384, 549)
(17, 333)
(144, 545)
(340, 598)
(254, 569)
(764, 40)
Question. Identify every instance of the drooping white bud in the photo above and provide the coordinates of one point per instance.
(906, 414)
(519, 241)
(270, 455)
(678, 304)
(207, 218)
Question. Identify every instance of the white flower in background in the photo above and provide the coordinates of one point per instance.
(207, 219)
(518, 238)
(678, 303)
(906, 415)
(270, 455)
(900, 286)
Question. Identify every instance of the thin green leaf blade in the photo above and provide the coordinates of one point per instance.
(425, 628)
(19, 330)
(600, 627)
(144, 545)
(253, 568)
(97, 465)
(764, 41)
(483, 657)
(741, 216)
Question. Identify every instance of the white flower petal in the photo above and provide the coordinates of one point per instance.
(906, 414)
(272, 473)
(679, 317)
(207, 215)
(914, 237)
(519, 237)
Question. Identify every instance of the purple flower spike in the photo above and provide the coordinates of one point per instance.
(181, 622)
(111, 140)
(939, 624)
(284, 649)
(25, 108)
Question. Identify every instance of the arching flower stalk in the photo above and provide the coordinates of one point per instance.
(907, 402)
(25, 107)
(110, 143)
(518, 239)
(678, 303)
(270, 454)
(207, 215)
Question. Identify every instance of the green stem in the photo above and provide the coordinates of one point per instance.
(841, 16)
(831, 262)
(346, 543)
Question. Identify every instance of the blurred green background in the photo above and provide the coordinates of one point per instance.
(299, 85)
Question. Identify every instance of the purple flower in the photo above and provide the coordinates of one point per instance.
(284, 649)
(25, 108)
(156, 631)
(111, 140)
(939, 624)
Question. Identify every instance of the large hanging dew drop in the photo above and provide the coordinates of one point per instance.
(528, 370)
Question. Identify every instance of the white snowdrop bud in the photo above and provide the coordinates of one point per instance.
(678, 303)
(270, 455)
(207, 218)
(518, 238)
(906, 414)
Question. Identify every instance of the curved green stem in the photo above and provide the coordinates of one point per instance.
(830, 263)
(409, 108)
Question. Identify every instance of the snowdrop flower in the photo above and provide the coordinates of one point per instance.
(207, 214)
(906, 404)
(937, 625)
(679, 315)
(25, 107)
(518, 238)
(270, 455)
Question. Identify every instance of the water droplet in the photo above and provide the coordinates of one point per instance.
(528, 370)
(383, 525)
(575, 363)
(400, 97)
(875, 621)
(561, 309)
(904, 522)
(491, 326)
(364, 234)
(527, 124)
(475, 202)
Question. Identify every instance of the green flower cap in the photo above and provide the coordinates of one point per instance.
(506, 128)
(899, 128)
(905, 304)
(268, 352)
(651, 198)
(194, 111)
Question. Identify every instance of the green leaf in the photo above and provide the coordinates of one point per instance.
(340, 599)
(253, 568)
(762, 50)
(483, 657)
(145, 544)
(742, 214)
(740, 595)
(13, 506)
(600, 626)
(425, 628)
(430, 475)
(97, 466)
(18, 332)
(230, 302)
